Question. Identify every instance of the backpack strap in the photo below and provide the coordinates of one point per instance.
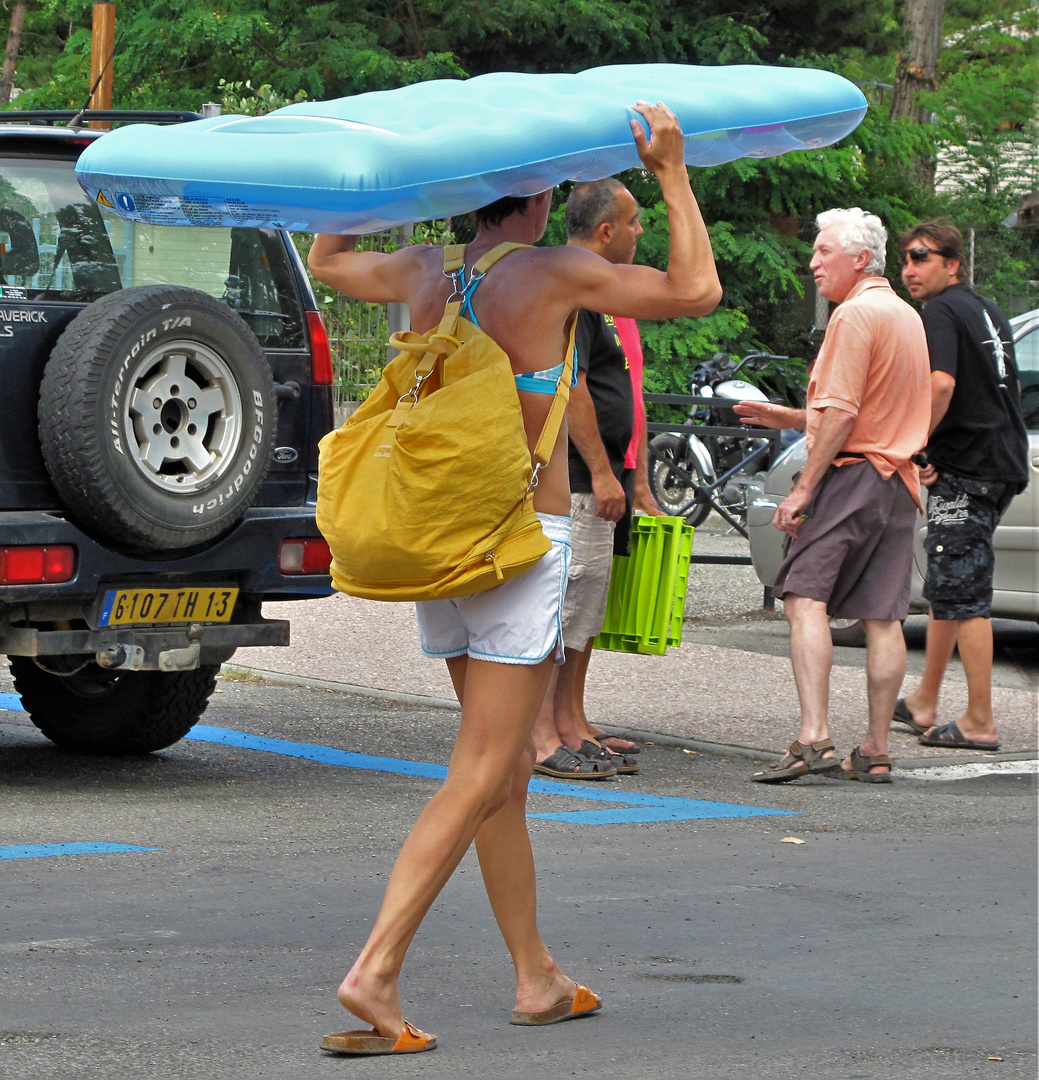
(432, 346)
(443, 341)
(454, 258)
(487, 261)
(557, 410)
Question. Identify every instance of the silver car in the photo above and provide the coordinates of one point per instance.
(1016, 586)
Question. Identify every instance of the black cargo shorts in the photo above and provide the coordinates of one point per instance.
(962, 514)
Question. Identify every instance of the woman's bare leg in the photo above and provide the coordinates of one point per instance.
(507, 865)
(499, 703)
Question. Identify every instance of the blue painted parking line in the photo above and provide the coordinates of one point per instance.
(13, 703)
(627, 806)
(327, 755)
(622, 806)
(46, 851)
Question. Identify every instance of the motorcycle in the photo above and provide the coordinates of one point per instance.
(690, 476)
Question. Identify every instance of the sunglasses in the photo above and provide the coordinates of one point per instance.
(920, 254)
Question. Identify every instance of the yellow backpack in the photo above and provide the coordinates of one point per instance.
(427, 491)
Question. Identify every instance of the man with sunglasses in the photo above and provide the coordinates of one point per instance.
(977, 462)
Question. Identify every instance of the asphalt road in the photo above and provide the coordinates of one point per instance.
(897, 941)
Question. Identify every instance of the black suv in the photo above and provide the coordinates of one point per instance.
(164, 390)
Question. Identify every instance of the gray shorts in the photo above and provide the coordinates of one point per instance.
(962, 515)
(588, 581)
(514, 623)
(854, 551)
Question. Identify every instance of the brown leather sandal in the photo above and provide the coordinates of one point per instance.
(861, 765)
(800, 760)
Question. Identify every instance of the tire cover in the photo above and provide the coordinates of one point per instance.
(157, 418)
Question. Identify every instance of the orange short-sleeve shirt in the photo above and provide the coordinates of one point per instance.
(873, 363)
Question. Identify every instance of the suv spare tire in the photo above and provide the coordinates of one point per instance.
(157, 418)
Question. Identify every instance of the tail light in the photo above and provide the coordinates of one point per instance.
(37, 565)
(307, 555)
(320, 349)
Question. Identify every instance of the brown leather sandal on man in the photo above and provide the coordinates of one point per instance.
(801, 759)
(861, 765)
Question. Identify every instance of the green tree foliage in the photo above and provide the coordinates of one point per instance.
(174, 52)
(180, 53)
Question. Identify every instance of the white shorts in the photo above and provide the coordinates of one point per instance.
(514, 623)
(588, 582)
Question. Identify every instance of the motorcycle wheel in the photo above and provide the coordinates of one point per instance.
(672, 492)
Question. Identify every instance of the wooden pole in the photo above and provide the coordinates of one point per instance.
(102, 46)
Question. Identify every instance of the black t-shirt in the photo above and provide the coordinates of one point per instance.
(983, 433)
(601, 356)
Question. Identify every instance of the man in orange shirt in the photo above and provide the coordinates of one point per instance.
(852, 512)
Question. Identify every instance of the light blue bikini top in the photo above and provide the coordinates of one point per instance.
(534, 382)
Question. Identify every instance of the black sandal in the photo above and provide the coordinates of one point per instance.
(616, 744)
(903, 715)
(624, 765)
(567, 765)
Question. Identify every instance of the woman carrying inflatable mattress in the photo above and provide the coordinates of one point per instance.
(500, 644)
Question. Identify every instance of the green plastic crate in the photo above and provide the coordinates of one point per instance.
(646, 601)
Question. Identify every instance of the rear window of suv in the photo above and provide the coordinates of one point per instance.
(56, 243)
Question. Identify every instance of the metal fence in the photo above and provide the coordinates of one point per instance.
(357, 334)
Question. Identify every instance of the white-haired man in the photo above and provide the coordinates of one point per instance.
(852, 511)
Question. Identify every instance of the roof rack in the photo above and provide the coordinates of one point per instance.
(51, 117)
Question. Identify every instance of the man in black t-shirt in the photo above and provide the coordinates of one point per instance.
(599, 438)
(603, 217)
(977, 462)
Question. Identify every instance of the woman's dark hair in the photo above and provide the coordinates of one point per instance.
(496, 212)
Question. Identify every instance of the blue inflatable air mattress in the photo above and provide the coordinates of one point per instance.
(439, 148)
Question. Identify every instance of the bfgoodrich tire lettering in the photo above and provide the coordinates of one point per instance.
(157, 418)
(111, 712)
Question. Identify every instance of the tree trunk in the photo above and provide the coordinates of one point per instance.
(14, 39)
(922, 26)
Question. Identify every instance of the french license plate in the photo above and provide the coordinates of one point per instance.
(147, 607)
